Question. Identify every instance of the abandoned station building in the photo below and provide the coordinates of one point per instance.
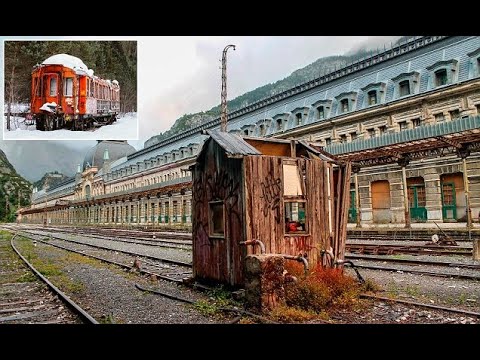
(407, 117)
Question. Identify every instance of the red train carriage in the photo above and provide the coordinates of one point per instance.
(66, 94)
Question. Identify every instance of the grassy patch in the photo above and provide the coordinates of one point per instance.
(51, 269)
(288, 314)
(412, 290)
(218, 298)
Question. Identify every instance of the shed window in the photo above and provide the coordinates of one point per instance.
(291, 180)
(404, 87)
(294, 199)
(216, 217)
(295, 217)
(53, 86)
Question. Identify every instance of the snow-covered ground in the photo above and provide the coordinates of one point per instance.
(125, 128)
(17, 108)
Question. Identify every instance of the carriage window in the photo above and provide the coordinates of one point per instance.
(216, 218)
(68, 87)
(53, 86)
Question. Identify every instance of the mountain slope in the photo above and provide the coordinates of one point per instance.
(49, 180)
(14, 190)
(317, 68)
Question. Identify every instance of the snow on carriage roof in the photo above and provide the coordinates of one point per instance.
(69, 61)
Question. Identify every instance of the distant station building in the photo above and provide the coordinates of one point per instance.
(407, 115)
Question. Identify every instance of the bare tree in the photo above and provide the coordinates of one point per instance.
(10, 87)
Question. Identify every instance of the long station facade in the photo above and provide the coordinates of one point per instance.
(408, 118)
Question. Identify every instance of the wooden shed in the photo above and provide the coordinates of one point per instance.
(286, 194)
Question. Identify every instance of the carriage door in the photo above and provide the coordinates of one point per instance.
(51, 83)
(449, 205)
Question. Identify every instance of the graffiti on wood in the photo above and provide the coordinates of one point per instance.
(271, 191)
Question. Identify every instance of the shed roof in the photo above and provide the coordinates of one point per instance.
(233, 144)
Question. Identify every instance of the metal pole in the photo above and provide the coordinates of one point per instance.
(357, 200)
(467, 196)
(405, 197)
(223, 117)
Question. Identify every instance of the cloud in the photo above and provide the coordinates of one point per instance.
(186, 75)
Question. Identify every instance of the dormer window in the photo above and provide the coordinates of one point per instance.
(298, 116)
(322, 109)
(320, 112)
(279, 124)
(404, 87)
(343, 138)
(279, 120)
(262, 130)
(263, 126)
(403, 125)
(474, 63)
(371, 132)
(173, 157)
(346, 102)
(443, 73)
(247, 130)
(372, 97)
(406, 84)
(328, 141)
(441, 77)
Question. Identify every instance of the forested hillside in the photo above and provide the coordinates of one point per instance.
(108, 59)
(14, 190)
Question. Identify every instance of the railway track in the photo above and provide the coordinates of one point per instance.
(419, 267)
(418, 304)
(163, 268)
(32, 298)
(389, 249)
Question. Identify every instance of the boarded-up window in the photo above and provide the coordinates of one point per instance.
(216, 218)
(381, 194)
(291, 180)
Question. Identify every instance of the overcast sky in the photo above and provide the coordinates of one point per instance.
(181, 75)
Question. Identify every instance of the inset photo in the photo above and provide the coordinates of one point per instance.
(70, 90)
